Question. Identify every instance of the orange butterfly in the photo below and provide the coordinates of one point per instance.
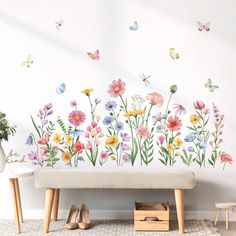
(95, 56)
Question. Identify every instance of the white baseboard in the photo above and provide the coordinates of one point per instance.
(115, 214)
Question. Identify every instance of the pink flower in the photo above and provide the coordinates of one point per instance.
(55, 148)
(78, 147)
(174, 123)
(179, 109)
(93, 124)
(226, 158)
(89, 146)
(89, 128)
(101, 135)
(43, 140)
(161, 139)
(86, 135)
(93, 132)
(98, 129)
(98, 117)
(73, 103)
(103, 155)
(77, 118)
(199, 105)
(155, 99)
(43, 151)
(206, 111)
(142, 132)
(126, 158)
(116, 88)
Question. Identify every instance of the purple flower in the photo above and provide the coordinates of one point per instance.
(125, 137)
(32, 156)
(126, 158)
(48, 106)
(159, 127)
(110, 105)
(158, 117)
(97, 101)
(119, 126)
(125, 147)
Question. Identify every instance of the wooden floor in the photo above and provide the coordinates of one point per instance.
(232, 228)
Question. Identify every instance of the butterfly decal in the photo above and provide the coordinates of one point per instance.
(29, 61)
(203, 26)
(59, 24)
(61, 89)
(134, 26)
(145, 79)
(173, 54)
(95, 56)
(210, 86)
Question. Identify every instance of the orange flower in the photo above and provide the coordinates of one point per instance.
(66, 156)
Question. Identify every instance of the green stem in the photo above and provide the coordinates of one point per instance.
(91, 106)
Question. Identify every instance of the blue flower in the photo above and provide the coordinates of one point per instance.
(110, 105)
(30, 140)
(190, 137)
(202, 145)
(76, 133)
(107, 120)
(190, 149)
(119, 126)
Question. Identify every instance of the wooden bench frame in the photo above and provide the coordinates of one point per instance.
(52, 202)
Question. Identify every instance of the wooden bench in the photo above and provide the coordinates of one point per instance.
(55, 179)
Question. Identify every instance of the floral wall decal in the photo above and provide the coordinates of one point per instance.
(134, 131)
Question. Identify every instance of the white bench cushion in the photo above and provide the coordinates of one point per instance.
(118, 179)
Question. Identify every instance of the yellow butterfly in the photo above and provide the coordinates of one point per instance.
(173, 54)
(28, 62)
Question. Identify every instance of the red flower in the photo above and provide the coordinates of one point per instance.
(226, 158)
(43, 140)
(78, 147)
(199, 105)
(174, 123)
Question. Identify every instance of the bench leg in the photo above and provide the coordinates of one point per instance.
(55, 205)
(48, 208)
(179, 200)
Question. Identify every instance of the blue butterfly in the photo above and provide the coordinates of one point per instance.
(134, 27)
(61, 89)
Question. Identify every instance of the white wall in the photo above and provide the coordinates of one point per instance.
(27, 27)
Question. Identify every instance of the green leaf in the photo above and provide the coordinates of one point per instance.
(35, 126)
(163, 149)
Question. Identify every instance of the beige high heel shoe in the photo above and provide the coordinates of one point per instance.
(72, 221)
(84, 220)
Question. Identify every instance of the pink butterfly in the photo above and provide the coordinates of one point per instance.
(203, 26)
(95, 56)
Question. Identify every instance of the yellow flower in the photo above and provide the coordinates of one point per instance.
(68, 139)
(57, 138)
(66, 156)
(170, 147)
(113, 158)
(134, 112)
(179, 142)
(112, 141)
(194, 118)
(177, 154)
(87, 91)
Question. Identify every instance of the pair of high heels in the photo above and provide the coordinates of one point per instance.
(78, 218)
